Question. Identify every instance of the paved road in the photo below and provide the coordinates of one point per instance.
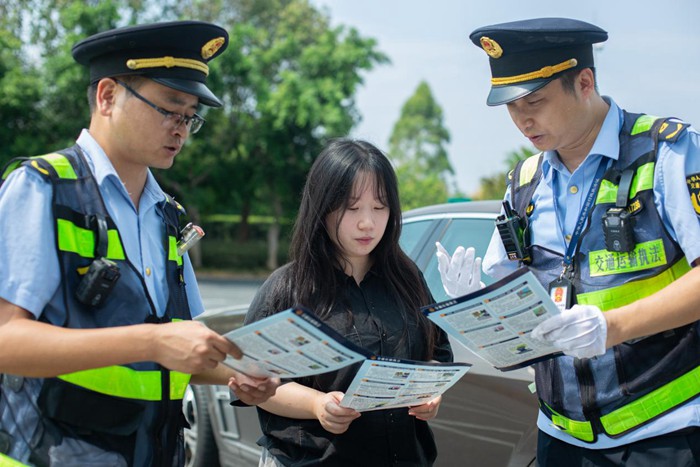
(222, 294)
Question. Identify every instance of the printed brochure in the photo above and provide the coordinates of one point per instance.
(295, 343)
(495, 322)
(291, 344)
(386, 384)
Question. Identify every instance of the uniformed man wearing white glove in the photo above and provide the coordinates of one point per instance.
(578, 332)
(609, 213)
(461, 272)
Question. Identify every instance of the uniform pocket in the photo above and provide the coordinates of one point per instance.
(657, 359)
(88, 411)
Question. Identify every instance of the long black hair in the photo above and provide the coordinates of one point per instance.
(312, 277)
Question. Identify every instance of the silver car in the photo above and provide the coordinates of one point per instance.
(487, 419)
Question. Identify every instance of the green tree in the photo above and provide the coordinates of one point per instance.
(19, 88)
(494, 186)
(417, 148)
(43, 100)
(287, 80)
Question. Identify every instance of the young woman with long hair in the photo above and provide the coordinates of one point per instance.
(346, 265)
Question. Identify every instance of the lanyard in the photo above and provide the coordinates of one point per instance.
(582, 216)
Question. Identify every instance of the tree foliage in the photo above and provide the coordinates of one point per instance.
(288, 81)
(494, 186)
(417, 148)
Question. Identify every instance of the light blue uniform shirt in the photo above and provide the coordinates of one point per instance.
(674, 164)
(29, 270)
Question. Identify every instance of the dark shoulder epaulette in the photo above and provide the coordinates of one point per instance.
(171, 201)
(671, 129)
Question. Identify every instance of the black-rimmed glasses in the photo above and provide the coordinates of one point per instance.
(172, 119)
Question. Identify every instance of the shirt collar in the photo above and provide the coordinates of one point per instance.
(607, 143)
(342, 276)
(102, 168)
(99, 163)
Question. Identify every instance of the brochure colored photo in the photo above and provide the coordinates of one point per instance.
(295, 343)
(386, 384)
(291, 344)
(495, 322)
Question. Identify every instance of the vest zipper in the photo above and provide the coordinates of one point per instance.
(588, 391)
(584, 373)
(163, 418)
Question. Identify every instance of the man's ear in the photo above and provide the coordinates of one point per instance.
(585, 82)
(106, 96)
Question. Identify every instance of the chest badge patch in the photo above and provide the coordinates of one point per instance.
(693, 182)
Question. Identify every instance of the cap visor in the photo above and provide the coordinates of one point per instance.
(504, 94)
(206, 97)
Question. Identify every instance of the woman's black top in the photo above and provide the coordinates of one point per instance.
(380, 324)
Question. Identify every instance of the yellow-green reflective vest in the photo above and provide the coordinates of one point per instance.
(634, 382)
(134, 409)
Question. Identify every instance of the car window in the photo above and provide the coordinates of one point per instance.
(411, 234)
(465, 232)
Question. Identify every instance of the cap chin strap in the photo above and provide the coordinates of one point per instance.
(167, 62)
(542, 73)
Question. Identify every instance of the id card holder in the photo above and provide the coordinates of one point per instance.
(561, 291)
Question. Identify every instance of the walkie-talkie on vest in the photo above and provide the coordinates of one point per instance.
(512, 229)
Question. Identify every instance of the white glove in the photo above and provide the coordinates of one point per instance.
(579, 332)
(460, 274)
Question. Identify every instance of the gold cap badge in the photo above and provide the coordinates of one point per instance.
(211, 47)
(491, 47)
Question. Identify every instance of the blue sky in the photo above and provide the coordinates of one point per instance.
(650, 64)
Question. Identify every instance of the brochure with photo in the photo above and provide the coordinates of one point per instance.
(386, 384)
(291, 344)
(495, 322)
(295, 343)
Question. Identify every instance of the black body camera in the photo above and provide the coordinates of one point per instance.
(102, 274)
(618, 222)
(97, 282)
(618, 229)
(514, 235)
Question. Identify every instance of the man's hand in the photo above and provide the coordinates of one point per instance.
(190, 347)
(461, 273)
(253, 391)
(579, 332)
(426, 411)
(333, 417)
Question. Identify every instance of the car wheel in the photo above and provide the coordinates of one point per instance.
(200, 445)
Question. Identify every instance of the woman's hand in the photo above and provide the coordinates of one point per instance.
(253, 391)
(333, 417)
(426, 411)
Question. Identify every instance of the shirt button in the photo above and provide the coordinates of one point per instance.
(573, 189)
(148, 271)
